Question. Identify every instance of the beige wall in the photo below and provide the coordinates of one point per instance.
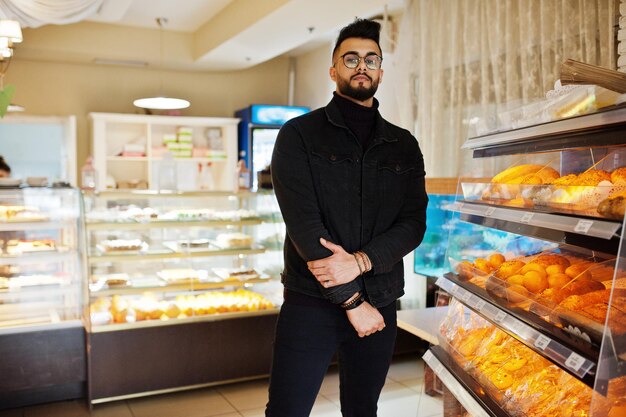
(48, 88)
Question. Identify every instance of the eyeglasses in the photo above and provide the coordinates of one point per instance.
(352, 60)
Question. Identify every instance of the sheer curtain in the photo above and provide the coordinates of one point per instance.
(472, 58)
(35, 13)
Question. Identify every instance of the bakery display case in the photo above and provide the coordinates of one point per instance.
(183, 267)
(540, 330)
(42, 295)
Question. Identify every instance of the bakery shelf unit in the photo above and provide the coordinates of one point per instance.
(188, 269)
(129, 151)
(538, 327)
(42, 296)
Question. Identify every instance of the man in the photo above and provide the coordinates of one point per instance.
(350, 187)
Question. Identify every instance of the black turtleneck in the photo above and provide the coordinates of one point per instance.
(359, 119)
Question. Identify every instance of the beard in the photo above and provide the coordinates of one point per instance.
(360, 93)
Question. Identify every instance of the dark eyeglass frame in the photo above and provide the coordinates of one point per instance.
(376, 65)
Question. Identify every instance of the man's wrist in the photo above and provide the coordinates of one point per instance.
(365, 264)
(353, 302)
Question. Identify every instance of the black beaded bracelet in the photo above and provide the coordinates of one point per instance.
(354, 303)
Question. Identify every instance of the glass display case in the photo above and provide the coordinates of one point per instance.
(42, 296)
(185, 268)
(540, 330)
(157, 257)
(41, 261)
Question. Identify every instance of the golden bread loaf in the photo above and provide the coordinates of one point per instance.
(526, 174)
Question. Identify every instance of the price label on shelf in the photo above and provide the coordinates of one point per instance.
(500, 316)
(427, 356)
(466, 295)
(489, 211)
(526, 218)
(480, 305)
(574, 361)
(583, 226)
(438, 368)
(517, 326)
(455, 290)
(542, 342)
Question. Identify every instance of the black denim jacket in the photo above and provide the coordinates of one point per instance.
(374, 201)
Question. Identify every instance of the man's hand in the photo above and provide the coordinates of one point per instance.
(366, 319)
(337, 269)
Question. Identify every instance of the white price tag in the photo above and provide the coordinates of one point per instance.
(526, 218)
(500, 315)
(480, 305)
(517, 326)
(466, 296)
(438, 369)
(455, 289)
(575, 361)
(427, 356)
(542, 342)
(489, 211)
(583, 226)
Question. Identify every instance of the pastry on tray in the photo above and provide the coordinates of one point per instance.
(17, 247)
(236, 274)
(122, 245)
(233, 240)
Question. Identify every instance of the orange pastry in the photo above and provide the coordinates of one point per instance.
(509, 268)
(547, 259)
(496, 260)
(618, 175)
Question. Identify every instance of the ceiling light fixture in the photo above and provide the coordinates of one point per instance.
(161, 102)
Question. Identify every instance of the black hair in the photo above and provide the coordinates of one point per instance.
(3, 165)
(360, 28)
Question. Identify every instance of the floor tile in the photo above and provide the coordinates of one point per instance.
(246, 395)
(416, 384)
(406, 368)
(397, 400)
(330, 385)
(115, 409)
(200, 403)
(325, 408)
(430, 406)
(58, 409)
(322, 408)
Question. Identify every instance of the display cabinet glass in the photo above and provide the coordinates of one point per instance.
(540, 330)
(41, 261)
(157, 258)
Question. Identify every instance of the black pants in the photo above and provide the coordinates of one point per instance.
(306, 340)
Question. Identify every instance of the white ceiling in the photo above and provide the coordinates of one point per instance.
(182, 15)
(212, 34)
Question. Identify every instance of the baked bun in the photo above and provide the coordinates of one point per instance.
(564, 180)
(618, 175)
(509, 268)
(614, 206)
(592, 177)
(548, 259)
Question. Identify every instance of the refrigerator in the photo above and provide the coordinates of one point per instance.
(257, 131)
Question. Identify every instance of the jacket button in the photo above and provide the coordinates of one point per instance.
(333, 158)
(398, 167)
(358, 160)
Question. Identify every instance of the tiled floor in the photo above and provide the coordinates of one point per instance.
(402, 396)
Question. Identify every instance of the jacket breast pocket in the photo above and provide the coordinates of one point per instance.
(333, 173)
(395, 179)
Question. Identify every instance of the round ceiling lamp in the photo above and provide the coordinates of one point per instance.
(160, 102)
